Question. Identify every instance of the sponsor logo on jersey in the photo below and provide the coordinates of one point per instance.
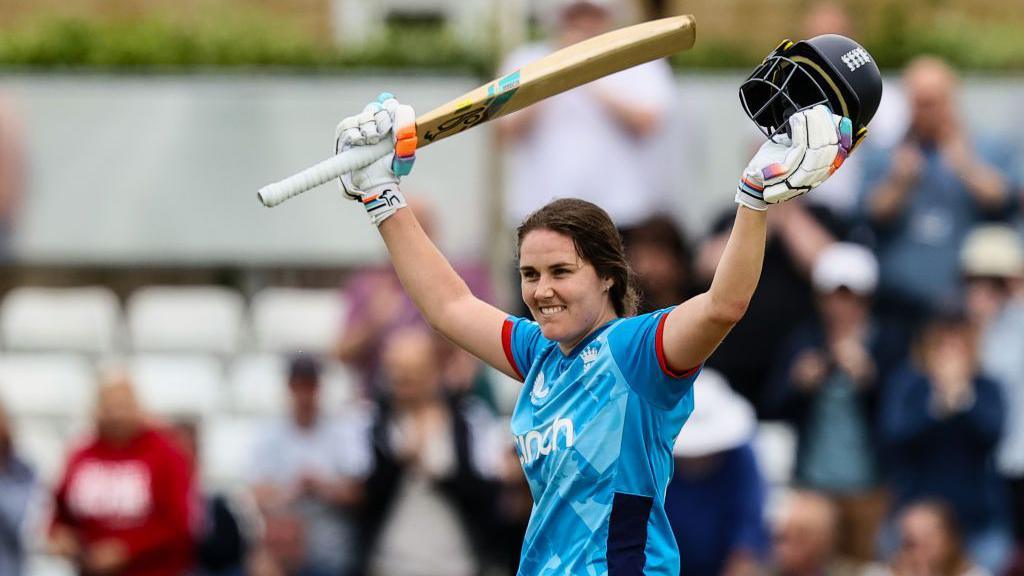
(543, 441)
(540, 389)
(856, 58)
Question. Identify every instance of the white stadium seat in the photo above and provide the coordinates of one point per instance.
(47, 385)
(178, 385)
(226, 449)
(775, 445)
(45, 565)
(287, 320)
(42, 445)
(258, 385)
(185, 319)
(85, 319)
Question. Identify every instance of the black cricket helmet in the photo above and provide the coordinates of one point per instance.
(829, 69)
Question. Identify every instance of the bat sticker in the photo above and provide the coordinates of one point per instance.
(465, 119)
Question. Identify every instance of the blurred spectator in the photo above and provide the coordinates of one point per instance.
(654, 9)
(992, 262)
(220, 541)
(781, 302)
(922, 196)
(828, 388)
(124, 503)
(598, 142)
(307, 480)
(13, 172)
(805, 537)
(658, 252)
(715, 501)
(839, 192)
(283, 548)
(377, 307)
(430, 501)
(931, 544)
(942, 420)
(515, 502)
(17, 488)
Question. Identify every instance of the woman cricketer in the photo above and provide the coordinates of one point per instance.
(606, 392)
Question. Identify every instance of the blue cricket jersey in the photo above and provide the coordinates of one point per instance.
(594, 431)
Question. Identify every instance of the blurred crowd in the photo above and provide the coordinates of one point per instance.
(887, 332)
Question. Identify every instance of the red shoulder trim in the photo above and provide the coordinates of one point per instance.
(659, 348)
(506, 344)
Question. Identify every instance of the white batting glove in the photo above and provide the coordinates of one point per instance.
(376, 185)
(785, 167)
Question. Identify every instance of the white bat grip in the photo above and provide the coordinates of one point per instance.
(347, 161)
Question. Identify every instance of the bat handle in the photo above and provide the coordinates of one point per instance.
(349, 160)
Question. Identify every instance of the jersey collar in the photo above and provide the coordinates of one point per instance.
(588, 339)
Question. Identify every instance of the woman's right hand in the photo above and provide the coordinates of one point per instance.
(376, 185)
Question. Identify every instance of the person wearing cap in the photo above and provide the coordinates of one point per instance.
(306, 477)
(941, 420)
(827, 386)
(716, 499)
(560, 147)
(992, 263)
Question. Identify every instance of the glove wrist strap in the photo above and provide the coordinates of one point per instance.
(382, 201)
(750, 200)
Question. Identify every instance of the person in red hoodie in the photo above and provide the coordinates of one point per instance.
(123, 505)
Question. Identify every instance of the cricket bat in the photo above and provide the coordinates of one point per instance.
(563, 70)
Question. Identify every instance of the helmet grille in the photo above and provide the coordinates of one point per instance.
(776, 89)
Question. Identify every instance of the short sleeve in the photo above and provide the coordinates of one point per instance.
(522, 341)
(636, 346)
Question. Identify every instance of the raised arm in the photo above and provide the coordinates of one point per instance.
(696, 327)
(439, 293)
(780, 170)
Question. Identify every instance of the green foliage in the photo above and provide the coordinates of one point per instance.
(955, 37)
(161, 44)
(965, 44)
(252, 39)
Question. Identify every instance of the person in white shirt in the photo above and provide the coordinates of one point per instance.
(598, 142)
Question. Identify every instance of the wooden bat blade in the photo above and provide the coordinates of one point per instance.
(563, 70)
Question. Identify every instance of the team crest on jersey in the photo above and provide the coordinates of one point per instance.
(540, 389)
(589, 356)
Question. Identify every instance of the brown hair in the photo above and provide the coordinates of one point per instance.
(956, 559)
(945, 318)
(597, 241)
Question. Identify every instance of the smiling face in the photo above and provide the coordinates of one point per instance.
(563, 292)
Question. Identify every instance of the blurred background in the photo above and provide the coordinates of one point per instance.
(191, 383)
